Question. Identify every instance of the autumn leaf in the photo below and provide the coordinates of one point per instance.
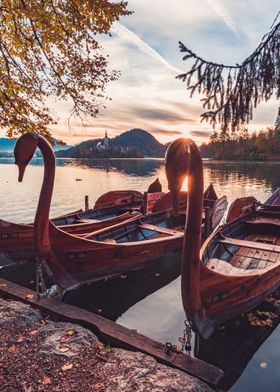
(33, 332)
(64, 349)
(64, 338)
(12, 349)
(99, 385)
(67, 366)
(52, 51)
(99, 346)
(70, 332)
(46, 381)
(29, 296)
(20, 339)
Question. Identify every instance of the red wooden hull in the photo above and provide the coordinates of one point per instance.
(76, 261)
(240, 267)
(117, 249)
(16, 240)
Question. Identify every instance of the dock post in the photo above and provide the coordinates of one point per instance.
(86, 203)
(145, 203)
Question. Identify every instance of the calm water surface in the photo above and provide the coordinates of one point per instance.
(153, 308)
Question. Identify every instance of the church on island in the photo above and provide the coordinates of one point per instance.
(108, 149)
(104, 144)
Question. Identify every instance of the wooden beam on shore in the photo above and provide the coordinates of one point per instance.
(113, 333)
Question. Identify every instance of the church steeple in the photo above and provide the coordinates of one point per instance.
(106, 141)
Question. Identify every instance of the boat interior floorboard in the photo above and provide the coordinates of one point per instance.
(256, 253)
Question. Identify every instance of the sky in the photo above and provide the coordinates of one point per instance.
(144, 47)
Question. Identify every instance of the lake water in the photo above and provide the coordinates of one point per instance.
(149, 301)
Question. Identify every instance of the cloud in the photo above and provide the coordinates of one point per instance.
(172, 116)
(203, 134)
(166, 132)
(221, 11)
(124, 32)
(145, 50)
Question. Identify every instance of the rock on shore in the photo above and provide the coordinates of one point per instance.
(37, 354)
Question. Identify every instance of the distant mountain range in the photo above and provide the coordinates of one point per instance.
(7, 145)
(142, 141)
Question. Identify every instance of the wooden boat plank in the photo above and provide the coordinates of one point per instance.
(266, 255)
(256, 262)
(116, 334)
(249, 244)
(164, 230)
(262, 264)
(236, 260)
(258, 255)
(252, 252)
(273, 257)
(245, 263)
(264, 220)
(243, 251)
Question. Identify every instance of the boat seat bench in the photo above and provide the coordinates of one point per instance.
(158, 229)
(250, 244)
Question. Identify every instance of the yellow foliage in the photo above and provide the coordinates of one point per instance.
(48, 48)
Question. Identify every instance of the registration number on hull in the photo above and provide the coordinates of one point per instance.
(76, 256)
(9, 236)
(220, 297)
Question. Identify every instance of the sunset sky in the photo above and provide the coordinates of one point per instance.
(144, 47)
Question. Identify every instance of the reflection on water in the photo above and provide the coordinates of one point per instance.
(18, 201)
(148, 301)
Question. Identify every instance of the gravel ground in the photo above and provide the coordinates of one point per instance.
(37, 354)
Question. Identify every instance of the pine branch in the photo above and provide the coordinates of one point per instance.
(233, 91)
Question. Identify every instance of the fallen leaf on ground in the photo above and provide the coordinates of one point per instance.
(12, 349)
(29, 296)
(99, 385)
(33, 332)
(20, 339)
(46, 381)
(64, 338)
(99, 346)
(64, 349)
(67, 366)
(70, 332)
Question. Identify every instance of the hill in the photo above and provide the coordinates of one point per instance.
(135, 143)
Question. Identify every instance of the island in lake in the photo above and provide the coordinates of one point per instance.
(135, 143)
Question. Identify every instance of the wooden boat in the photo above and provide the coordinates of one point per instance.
(238, 265)
(71, 260)
(243, 205)
(130, 197)
(16, 239)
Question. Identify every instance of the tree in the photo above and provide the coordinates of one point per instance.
(232, 91)
(49, 48)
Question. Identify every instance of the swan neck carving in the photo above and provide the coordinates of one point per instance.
(41, 222)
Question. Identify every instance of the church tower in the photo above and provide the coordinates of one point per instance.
(106, 141)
